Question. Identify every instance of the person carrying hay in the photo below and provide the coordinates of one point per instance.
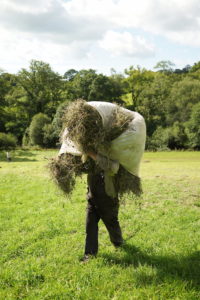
(106, 142)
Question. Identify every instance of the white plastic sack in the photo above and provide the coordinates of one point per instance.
(127, 149)
(68, 146)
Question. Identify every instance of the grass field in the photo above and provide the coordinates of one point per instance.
(42, 234)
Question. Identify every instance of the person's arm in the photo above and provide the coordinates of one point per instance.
(105, 163)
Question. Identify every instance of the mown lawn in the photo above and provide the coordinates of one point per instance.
(42, 234)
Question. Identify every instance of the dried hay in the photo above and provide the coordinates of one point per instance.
(84, 124)
(118, 123)
(127, 184)
(65, 168)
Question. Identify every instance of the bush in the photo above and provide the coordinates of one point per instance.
(26, 138)
(173, 137)
(193, 128)
(7, 141)
(36, 127)
(49, 136)
(58, 118)
(177, 138)
(159, 140)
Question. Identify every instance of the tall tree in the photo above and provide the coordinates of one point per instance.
(165, 66)
(195, 67)
(153, 100)
(193, 127)
(82, 83)
(137, 79)
(7, 81)
(70, 74)
(43, 88)
(184, 94)
(104, 88)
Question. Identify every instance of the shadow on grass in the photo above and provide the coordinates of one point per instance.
(186, 268)
(19, 156)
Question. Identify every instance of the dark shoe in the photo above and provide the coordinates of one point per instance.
(87, 257)
(118, 244)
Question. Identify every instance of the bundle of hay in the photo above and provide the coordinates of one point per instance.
(61, 169)
(66, 168)
(118, 123)
(127, 184)
(85, 129)
(84, 125)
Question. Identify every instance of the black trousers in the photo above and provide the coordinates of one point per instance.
(100, 206)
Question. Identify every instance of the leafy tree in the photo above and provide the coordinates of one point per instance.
(57, 120)
(42, 87)
(36, 129)
(118, 87)
(7, 141)
(195, 67)
(184, 70)
(184, 94)
(50, 133)
(6, 84)
(193, 127)
(69, 91)
(82, 83)
(158, 140)
(88, 85)
(153, 100)
(136, 80)
(104, 88)
(100, 89)
(49, 136)
(165, 66)
(70, 74)
(177, 136)
(168, 138)
(17, 117)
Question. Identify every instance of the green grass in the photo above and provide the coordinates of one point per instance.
(42, 234)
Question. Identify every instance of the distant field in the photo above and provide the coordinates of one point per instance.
(42, 234)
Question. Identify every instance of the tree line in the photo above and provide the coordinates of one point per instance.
(32, 102)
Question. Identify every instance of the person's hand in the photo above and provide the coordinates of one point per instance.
(92, 155)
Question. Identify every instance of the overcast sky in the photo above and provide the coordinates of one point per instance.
(98, 34)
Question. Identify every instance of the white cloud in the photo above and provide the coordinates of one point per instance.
(57, 31)
(17, 50)
(172, 18)
(54, 23)
(28, 5)
(126, 44)
(65, 21)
